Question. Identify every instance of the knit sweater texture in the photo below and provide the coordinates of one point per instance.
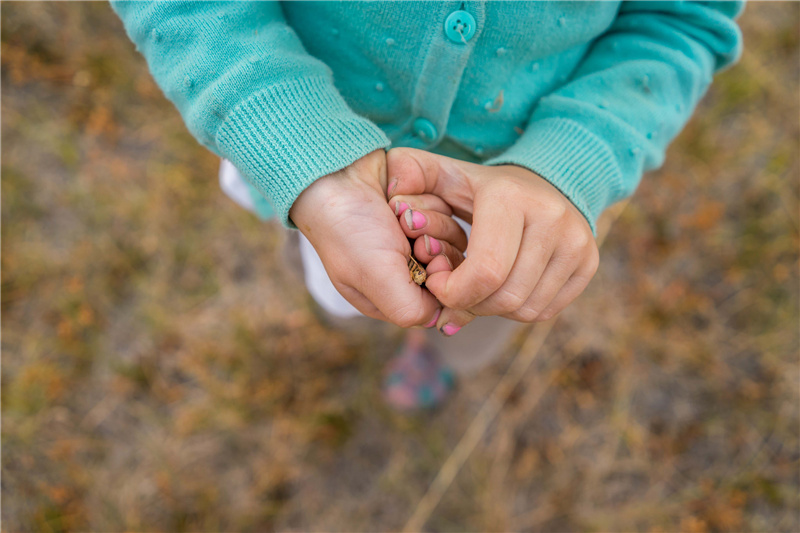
(586, 94)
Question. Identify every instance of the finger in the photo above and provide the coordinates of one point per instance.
(380, 274)
(492, 250)
(426, 248)
(410, 172)
(532, 259)
(576, 284)
(388, 285)
(415, 172)
(439, 264)
(417, 223)
(556, 274)
(450, 321)
(400, 203)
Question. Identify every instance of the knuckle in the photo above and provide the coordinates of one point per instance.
(579, 237)
(570, 257)
(509, 301)
(488, 279)
(576, 245)
(547, 314)
(553, 211)
(526, 314)
(565, 263)
(489, 273)
(513, 188)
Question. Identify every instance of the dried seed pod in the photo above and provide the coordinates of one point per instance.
(418, 274)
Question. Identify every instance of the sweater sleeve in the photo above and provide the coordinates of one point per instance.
(630, 96)
(249, 92)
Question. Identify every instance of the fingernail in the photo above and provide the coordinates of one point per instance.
(433, 246)
(415, 220)
(391, 188)
(450, 263)
(450, 329)
(399, 208)
(435, 318)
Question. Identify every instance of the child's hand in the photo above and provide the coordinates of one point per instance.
(439, 242)
(356, 234)
(427, 219)
(531, 252)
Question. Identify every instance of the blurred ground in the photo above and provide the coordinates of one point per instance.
(163, 371)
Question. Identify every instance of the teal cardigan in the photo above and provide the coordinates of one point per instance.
(586, 94)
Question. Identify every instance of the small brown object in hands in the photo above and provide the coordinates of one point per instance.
(418, 274)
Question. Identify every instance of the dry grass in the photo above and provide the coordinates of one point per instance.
(163, 371)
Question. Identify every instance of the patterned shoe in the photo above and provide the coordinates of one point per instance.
(416, 378)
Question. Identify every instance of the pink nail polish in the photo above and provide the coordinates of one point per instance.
(435, 318)
(419, 220)
(400, 208)
(415, 220)
(433, 246)
(391, 188)
(450, 329)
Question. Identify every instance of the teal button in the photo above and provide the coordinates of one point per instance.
(425, 130)
(459, 26)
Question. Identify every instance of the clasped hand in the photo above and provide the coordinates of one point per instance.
(530, 252)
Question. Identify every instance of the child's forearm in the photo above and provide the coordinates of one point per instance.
(249, 92)
(630, 96)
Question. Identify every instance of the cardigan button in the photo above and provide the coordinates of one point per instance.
(425, 130)
(459, 26)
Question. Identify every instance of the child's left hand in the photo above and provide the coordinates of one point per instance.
(531, 251)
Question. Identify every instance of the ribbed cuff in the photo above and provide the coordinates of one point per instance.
(287, 136)
(573, 159)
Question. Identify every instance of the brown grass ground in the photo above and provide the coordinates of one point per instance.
(162, 371)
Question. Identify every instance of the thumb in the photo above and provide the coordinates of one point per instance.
(390, 289)
(491, 253)
(413, 172)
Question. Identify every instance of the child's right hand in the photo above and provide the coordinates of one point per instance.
(346, 218)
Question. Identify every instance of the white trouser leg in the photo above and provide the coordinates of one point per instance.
(320, 285)
(234, 186)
